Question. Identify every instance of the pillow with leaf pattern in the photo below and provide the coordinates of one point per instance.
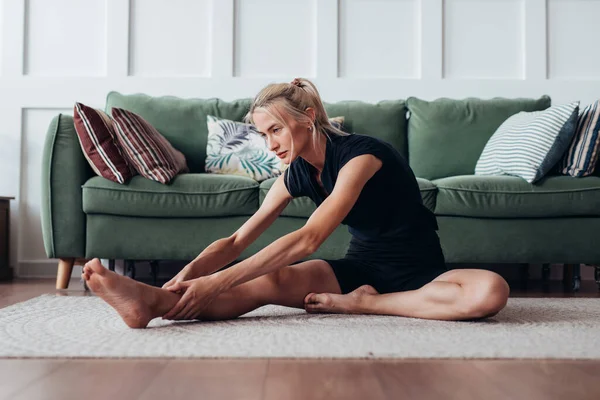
(236, 148)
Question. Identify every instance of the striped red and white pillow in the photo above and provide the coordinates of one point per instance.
(98, 141)
(582, 156)
(146, 149)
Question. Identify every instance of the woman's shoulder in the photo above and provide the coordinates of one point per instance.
(357, 140)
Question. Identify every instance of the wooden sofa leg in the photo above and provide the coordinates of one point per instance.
(65, 268)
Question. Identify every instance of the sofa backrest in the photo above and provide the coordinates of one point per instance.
(441, 138)
(446, 137)
(183, 121)
(385, 120)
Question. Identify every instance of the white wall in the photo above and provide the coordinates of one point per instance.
(56, 52)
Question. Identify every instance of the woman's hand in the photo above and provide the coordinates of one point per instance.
(188, 272)
(197, 295)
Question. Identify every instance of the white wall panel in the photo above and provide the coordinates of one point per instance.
(117, 38)
(170, 38)
(274, 38)
(10, 145)
(1, 35)
(483, 39)
(536, 43)
(35, 124)
(379, 38)
(573, 32)
(65, 38)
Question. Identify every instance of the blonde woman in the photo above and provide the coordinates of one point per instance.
(394, 265)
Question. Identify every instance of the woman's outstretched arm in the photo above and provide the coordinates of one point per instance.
(306, 240)
(200, 292)
(226, 250)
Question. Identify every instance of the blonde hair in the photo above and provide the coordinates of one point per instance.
(293, 99)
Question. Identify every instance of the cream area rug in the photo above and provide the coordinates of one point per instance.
(68, 326)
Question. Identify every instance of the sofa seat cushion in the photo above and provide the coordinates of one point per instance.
(513, 197)
(188, 195)
(428, 193)
(304, 206)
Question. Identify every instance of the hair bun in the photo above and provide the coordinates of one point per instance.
(296, 82)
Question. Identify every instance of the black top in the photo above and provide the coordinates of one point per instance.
(390, 204)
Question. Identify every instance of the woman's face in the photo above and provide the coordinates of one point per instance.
(279, 137)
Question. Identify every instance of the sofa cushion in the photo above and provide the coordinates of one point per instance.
(428, 193)
(529, 144)
(512, 197)
(98, 140)
(384, 120)
(446, 136)
(304, 206)
(188, 195)
(146, 149)
(582, 156)
(181, 121)
(237, 148)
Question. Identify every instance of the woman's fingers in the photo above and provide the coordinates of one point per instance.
(193, 312)
(173, 287)
(176, 308)
(170, 283)
(183, 313)
(177, 287)
(177, 312)
(188, 314)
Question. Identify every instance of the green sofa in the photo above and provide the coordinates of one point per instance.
(499, 219)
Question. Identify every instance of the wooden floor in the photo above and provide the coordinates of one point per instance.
(294, 378)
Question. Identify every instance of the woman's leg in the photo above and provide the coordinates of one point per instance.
(138, 303)
(287, 286)
(458, 294)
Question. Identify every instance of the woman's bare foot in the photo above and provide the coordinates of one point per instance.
(136, 303)
(350, 303)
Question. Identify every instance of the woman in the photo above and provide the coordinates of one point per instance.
(394, 265)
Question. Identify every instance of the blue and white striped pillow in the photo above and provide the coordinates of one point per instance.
(582, 156)
(529, 144)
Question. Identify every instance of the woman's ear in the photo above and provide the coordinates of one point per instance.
(311, 113)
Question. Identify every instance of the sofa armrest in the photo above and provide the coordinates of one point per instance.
(64, 171)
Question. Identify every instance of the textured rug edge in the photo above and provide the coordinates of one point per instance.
(37, 299)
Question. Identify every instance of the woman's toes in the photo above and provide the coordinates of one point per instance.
(312, 307)
(320, 298)
(308, 298)
(96, 266)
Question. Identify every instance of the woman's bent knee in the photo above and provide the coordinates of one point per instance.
(489, 297)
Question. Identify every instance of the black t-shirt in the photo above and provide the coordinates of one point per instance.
(389, 205)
